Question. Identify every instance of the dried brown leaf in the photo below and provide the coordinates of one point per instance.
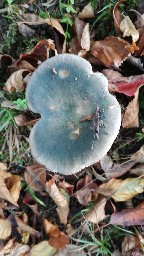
(97, 213)
(128, 29)
(26, 228)
(71, 250)
(106, 163)
(43, 248)
(39, 53)
(58, 239)
(129, 217)
(25, 30)
(66, 186)
(118, 17)
(122, 190)
(28, 200)
(111, 51)
(21, 64)
(17, 81)
(138, 157)
(119, 169)
(24, 120)
(4, 192)
(130, 118)
(129, 243)
(8, 104)
(35, 176)
(57, 30)
(138, 170)
(14, 186)
(75, 43)
(85, 39)
(87, 12)
(5, 229)
(86, 190)
(13, 248)
(61, 200)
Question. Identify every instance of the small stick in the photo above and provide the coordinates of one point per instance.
(95, 122)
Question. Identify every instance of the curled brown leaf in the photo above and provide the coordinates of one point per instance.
(61, 199)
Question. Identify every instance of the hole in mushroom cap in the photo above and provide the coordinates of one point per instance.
(63, 73)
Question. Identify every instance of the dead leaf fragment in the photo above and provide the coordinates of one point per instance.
(85, 39)
(61, 201)
(122, 190)
(129, 217)
(26, 228)
(86, 190)
(21, 64)
(87, 12)
(14, 186)
(17, 81)
(25, 30)
(111, 50)
(71, 250)
(58, 239)
(119, 169)
(128, 29)
(5, 229)
(66, 186)
(129, 243)
(138, 156)
(75, 43)
(39, 53)
(97, 213)
(118, 17)
(138, 170)
(28, 200)
(126, 85)
(35, 177)
(56, 29)
(130, 118)
(24, 120)
(13, 248)
(106, 163)
(43, 248)
(4, 192)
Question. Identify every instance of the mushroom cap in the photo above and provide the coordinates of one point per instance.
(64, 90)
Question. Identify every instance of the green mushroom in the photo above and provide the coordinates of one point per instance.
(79, 120)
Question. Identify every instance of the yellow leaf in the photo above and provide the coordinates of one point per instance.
(128, 29)
(122, 190)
